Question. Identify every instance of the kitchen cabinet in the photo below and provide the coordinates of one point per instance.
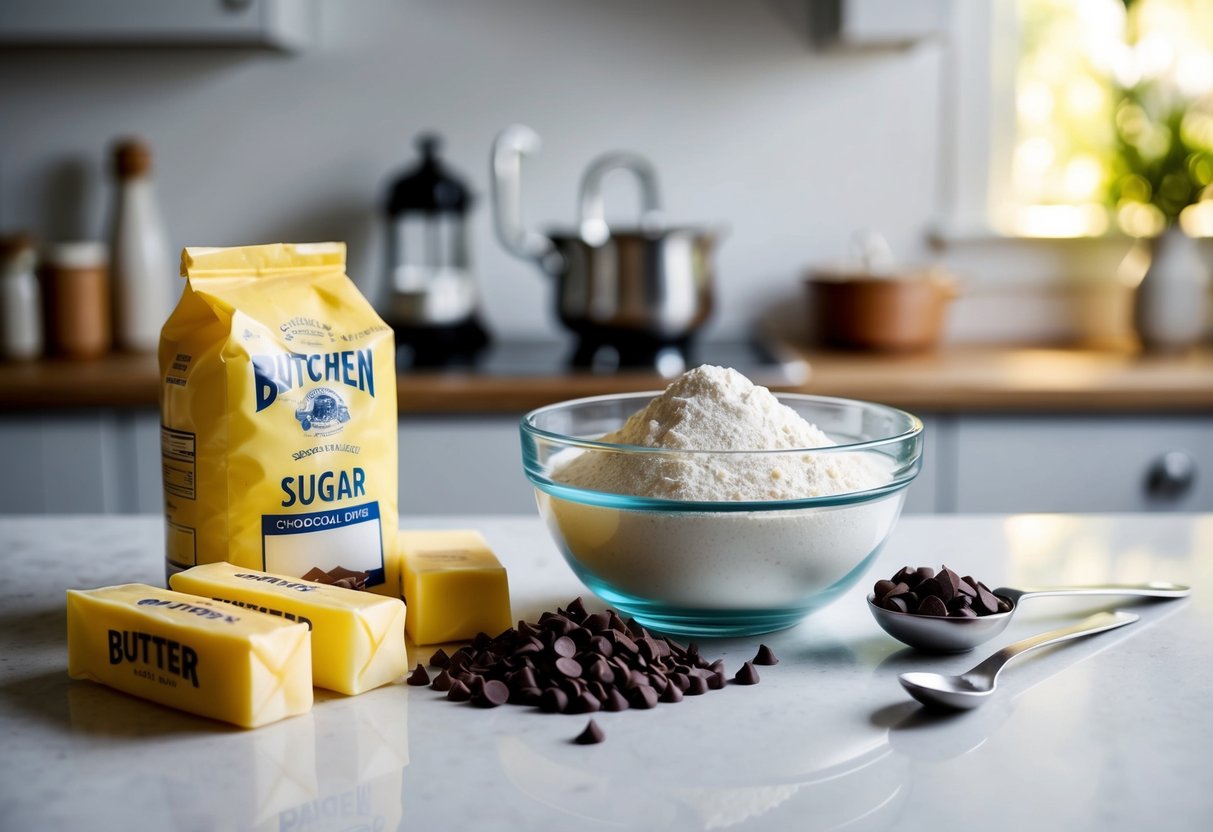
(1079, 464)
(108, 461)
(285, 25)
(866, 24)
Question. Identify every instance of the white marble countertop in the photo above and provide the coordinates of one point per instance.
(1112, 732)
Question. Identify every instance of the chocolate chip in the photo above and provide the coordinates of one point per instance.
(747, 675)
(765, 656)
(951, 579)
(440, 659)
(671, 694)
(592, 734)
(569, 667)
(493, 693)
(564, 647)
(986, 600)
(922, 573)
(626, 644)
(419, 676)
(598, 622)
(602, 646)
(459, 692)
(932, 605)
(881, 589)
(586, 703)
(600, 671)
(696, 686)
(525, 696)
(642, 697)
(553, 700)
(615, 701)
(896, 604)
(957, 604)
(442, 682)
(576, 610)
(524, 678)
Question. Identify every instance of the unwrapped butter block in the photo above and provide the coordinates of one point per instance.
(454, 586)
(201, 656)
(357, 637)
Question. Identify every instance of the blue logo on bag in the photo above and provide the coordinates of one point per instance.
(322, 411)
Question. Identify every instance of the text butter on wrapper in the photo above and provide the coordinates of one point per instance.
(201, 656)
(454, 586)
(278, 435)
(357, 638)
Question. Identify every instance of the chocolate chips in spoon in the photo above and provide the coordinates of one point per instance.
(945, 594)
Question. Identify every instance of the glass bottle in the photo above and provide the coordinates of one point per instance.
(141, 269)
(21, 336)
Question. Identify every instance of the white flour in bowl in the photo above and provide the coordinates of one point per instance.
(784, 559)
(718, 409)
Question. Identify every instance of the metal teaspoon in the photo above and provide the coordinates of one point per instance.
(970, 689)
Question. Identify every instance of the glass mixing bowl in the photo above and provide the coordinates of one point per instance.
(730, 567)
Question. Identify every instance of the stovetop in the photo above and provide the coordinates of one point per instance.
(763, 363)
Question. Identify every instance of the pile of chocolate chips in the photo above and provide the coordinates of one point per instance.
(923, 592)
(572, 661)
(337, 576)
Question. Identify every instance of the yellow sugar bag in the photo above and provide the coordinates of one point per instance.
(278, 418)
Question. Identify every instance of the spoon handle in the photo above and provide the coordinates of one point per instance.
(1154, 589)
(1097, 623)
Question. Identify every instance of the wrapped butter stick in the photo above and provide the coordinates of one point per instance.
(454, 586)
(200, 656)
(357, 637)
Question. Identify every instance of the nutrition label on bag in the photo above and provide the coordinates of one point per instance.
(178, 461)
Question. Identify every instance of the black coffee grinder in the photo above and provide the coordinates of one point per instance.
(431, 299)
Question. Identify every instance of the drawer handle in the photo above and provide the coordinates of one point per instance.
(1171, 476)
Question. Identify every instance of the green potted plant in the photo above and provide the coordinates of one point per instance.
(1163, 165)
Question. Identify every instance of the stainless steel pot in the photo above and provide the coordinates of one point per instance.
(651, 285)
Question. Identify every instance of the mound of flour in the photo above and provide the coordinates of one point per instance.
(717, 409)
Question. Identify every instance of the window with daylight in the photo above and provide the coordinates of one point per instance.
(1099, 115)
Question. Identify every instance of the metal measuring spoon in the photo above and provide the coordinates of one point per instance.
(970, 689)
(937, 634)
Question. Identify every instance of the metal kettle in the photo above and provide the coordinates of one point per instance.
(637, 290)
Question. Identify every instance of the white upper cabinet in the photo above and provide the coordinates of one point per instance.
(287, 25)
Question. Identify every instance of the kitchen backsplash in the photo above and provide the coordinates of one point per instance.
(791, 149)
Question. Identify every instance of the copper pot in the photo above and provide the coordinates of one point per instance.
(902, 312)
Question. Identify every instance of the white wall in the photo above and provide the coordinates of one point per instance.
(792, 149)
